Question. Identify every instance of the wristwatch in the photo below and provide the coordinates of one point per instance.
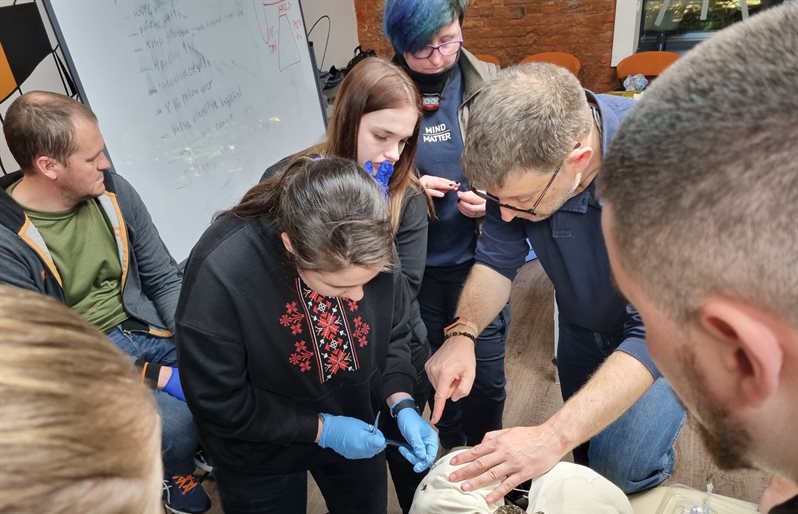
(407, 403)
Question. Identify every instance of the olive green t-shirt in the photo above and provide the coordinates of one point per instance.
(84, 251)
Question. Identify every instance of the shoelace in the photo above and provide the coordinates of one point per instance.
(185, 482)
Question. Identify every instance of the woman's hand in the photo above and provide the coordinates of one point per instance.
(437, 187)
(350, 437)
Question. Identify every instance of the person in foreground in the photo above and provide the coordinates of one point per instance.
(702, 239)
(535, 146)
(78, 431)
(75, 231)
(292, 334)
(375, 122)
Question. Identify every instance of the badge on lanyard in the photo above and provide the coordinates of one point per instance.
(430, 101)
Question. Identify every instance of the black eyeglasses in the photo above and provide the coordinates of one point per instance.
(533, 210)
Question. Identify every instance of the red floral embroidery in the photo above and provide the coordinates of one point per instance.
(328, 325)
(292, 318)
(331, 338)
(301, 356)
(361, 331)
(338, 361)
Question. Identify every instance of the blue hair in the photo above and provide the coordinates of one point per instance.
(410, 24)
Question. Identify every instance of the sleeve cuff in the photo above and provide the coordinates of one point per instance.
(636, 347)
(397, 383)
(307, 427)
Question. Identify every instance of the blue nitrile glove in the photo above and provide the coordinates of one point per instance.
(173, 386)
(383, 174)
(421, 437)
(351, 437)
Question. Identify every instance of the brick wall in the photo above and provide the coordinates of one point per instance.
(512, 29)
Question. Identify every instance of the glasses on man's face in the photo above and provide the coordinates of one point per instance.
(533, 211)
(446, 49)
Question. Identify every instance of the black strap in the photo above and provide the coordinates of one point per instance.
(134, 325)
(407, 403)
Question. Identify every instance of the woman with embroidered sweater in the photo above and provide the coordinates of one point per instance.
(375, 120)
(292, 333)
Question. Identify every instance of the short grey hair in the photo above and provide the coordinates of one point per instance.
(526, 120)
(701, 178)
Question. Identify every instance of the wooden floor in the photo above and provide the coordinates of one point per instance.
(532, 396)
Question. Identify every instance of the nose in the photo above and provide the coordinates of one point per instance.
(356, 294)
(103, 163)
(392, 153)
(436, 59)
(507, 214)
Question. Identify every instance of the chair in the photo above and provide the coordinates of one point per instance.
(489, 58)
(564, 59)
(650, 64)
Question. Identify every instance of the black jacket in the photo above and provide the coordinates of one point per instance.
(261, 355)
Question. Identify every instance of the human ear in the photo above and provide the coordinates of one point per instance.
(746, 343)
(47, 166)
(579, 158)
(286, 242)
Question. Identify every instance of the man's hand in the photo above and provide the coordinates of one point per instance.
(173, 387)
(512, 456)
(470, 205)
(437, 187)
(777, 492)
(451, 371)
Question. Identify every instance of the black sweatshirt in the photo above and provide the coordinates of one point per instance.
(261, 354)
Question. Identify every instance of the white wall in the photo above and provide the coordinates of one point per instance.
(343, 30)
(627, 27)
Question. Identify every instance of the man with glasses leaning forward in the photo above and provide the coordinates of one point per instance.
(534, 148)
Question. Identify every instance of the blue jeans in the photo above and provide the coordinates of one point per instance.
(178, 433)
(636, 451)
(465, 423)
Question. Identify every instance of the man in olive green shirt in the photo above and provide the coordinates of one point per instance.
(71, 229)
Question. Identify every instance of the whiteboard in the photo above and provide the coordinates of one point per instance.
(195, 99)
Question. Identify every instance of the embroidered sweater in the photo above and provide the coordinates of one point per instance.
(261, 354)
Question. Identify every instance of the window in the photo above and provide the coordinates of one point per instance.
(680, 24)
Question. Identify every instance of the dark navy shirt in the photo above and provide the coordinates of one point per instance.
(572, 251)
(452, 236)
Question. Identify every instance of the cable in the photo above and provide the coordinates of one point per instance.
(327, 42)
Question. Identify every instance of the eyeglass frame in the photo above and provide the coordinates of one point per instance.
(533, 211)
(438, 48)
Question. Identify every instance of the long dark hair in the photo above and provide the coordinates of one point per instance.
(375, 84)
(333, 212)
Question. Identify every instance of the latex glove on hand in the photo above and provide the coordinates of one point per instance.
(173, 386)
(421, 437)
(350, 437)
(382, 176)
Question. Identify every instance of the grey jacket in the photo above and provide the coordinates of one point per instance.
(150, 276)
(475, 73)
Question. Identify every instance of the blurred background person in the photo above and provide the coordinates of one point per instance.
(79, 432)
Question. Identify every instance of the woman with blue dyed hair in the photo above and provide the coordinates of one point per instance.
(427, 37)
